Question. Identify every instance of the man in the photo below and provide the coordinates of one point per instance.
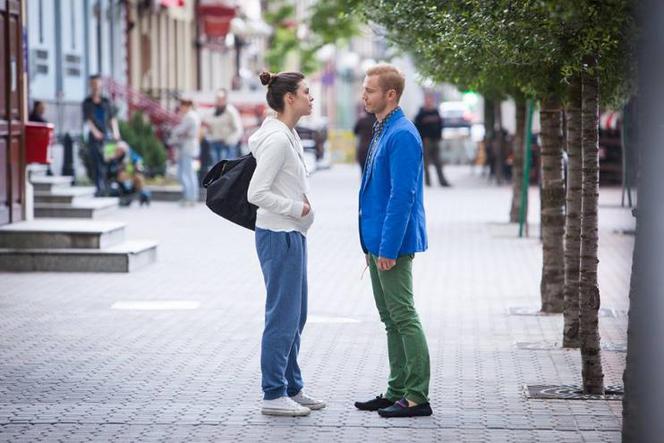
(185, 137)
(392, 230)
(363, 130)
(430, 125)
(224, 127)
(99, 119)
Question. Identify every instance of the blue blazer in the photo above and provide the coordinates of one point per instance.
(392, 220)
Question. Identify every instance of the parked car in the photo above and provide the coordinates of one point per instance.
(457, 120)
(455, 115)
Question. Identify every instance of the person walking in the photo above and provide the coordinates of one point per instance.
(185, 136)
(279, 188)
(392, 229)
(362, 130)
(224, 127)
(429, 123)
(101, 125)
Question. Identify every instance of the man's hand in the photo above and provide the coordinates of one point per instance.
(385, 264)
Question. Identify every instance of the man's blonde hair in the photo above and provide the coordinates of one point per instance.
(389, 77)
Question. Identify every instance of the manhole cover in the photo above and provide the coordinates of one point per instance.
(614, 347)
(527, 311)
(570, 392)
(535, 312)
(537, 346)
(553, 346)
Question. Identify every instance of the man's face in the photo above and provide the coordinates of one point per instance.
(429, 103)
(221, 100)
(95, 85)
(184, 108)
(373, 96)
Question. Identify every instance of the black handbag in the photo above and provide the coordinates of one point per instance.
(227, 184)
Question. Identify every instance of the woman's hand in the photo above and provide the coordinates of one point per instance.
(306, 209)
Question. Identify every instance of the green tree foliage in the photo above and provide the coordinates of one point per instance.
(328, 22)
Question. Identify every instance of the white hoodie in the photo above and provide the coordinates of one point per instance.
(279, 184)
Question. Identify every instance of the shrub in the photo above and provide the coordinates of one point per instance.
(139, 134)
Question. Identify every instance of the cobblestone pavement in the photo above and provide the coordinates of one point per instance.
(75, 366)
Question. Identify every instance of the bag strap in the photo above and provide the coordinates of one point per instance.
(214, 173)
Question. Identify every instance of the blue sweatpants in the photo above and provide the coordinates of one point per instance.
(283, 258)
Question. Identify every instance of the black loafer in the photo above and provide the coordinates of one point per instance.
(401, 409)
(374, 405)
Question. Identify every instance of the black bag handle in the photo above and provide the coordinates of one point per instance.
(214, 173)
(220, 168)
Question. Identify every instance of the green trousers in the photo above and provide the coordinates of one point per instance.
(406, 343)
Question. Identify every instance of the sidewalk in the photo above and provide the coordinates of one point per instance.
(74, 366)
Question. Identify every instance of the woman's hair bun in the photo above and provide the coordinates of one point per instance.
(266, 78)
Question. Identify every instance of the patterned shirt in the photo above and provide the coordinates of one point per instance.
(376, 133)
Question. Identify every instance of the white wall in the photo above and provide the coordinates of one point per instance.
(73, 49)
(41, 41)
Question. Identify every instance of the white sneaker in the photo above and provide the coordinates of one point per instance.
(285, 407)
(311, 403)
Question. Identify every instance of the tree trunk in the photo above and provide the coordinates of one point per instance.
(593, 377)
(573, 216)
(517, 163)
(552, 207)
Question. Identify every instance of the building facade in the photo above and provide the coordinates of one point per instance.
(12, 112)
(69, 40)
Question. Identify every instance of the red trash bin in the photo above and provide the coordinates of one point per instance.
(38, 139)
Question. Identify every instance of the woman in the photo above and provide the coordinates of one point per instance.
(186, 137)
(279, 189)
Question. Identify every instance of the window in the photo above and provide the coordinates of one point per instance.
(41, 21)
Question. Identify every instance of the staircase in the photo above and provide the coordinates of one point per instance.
(65, 245)
(161, 118)
(55, 197)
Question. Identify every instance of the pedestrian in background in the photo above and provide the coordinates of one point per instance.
(101, 126)
(185, 137)
(429, 123)
(37, 113)
(279, 188)
(362, 130)
(224, 129)
(392, 230)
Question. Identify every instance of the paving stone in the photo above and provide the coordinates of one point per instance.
(74, 369)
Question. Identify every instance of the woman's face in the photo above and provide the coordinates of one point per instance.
(301, 101)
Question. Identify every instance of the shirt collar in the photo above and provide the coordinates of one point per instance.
(380, 125)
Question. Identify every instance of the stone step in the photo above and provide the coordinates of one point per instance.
(45, 183)
(61, 234)
(38, 170)
(124, 257)
(170, 193)
(165, 193)
(79, 208)
(64, 194)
